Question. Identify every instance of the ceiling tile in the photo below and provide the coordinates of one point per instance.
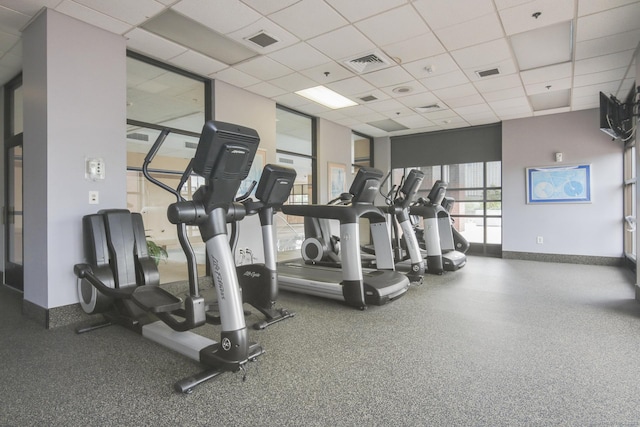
(133, 13)
(266, 89)
(355, 10)
(587, 7)
(351, 86)
(609, 22)
(504, 4)
(388, 76)
(12, 22)
(501, 95)
(469, 33)
(412, 86)
(386, 105)
(543, 46)
(483, 54)
(333, 44)
(452, 78)
(29, 7)
(552, 72)
(267, 7)
(7, 41)
(327, 73)
(505, 68)
(438, 13)
(324, 19)
(431, 67)
(223, 16)
(420, 100)
(150, 44)
(464, 101)
(93, 17)
(299, 57)
(383, 29)
(415, 48)
(235, 77)
(615, 75)
(603, 63)
(291, 100)
(198, 63)
(609, 44)
(263, 68)
(456, 92)
(548, 86)
(520, 18)
(499, 82)
(293, 82)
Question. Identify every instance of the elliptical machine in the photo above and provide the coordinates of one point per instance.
(121, 281)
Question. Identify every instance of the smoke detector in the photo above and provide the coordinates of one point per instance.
(369, 62)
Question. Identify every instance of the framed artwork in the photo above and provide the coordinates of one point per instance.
(337, 179)
(255, 172)
(559, 184)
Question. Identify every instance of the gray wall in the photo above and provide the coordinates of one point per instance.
(74, 107)
(592, 229)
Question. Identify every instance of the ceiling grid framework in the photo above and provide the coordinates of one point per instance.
(443, 65)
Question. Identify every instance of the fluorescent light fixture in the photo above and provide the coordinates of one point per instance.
(326, 97)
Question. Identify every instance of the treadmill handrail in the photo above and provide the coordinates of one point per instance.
(344, 213)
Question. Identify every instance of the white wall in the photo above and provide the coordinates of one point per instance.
(74, 80)
(2, 166)
(592, 229)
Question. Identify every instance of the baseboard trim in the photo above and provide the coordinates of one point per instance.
(567, 259)
(54, 317)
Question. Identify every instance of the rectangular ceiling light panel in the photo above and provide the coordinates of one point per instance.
(193, 35)
(327, 97)
(544, 46)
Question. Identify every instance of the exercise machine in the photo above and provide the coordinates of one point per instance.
(319, 240)
(121, 281)
(350, 283)
(437, 233)
(259, 281)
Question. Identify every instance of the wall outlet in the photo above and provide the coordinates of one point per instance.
(539, 240)
(94, 198)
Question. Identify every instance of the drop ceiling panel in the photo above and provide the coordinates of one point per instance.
(433, 66)
(223, 16)
(268, 7)
(324, 19)
(479, 30)
(548, 86)
(263, 68)
(198, 63)
(29, 7)
(482, 55)
(500, 82)
(133, 13)
(266, 89)
(351, 86)
(543, 46)
(603, 63)
(552, 72)
(385, 106)
(452, 78)
(413, 88)
(587, 7)
(415, 48)
(501, 95)
(291, 99)
(333, 44)
(605, 45)
(610, 22)
(293, 82)
(520, 18)
(440, 14)
(388, 76)
(93, 17)
(420, 100)
(235, 77)
(11, 22)
(602, 77)
(464, 101)
(158, 47)
(355, 10)
(300, 57)
(383, 29)
(327, 73)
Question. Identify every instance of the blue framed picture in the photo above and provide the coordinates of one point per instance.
(559, 184)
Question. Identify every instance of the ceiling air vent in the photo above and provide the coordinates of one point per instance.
(370, 62)
(368, 98)
(138, 136)
(487, 73)
(191, 145)
(263, 39)
(283, 160)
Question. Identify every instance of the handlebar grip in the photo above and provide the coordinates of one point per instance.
(156, 145)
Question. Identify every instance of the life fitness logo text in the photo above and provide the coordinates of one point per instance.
(217, 277)
(226, 344)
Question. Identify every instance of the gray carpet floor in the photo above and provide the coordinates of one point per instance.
(500, 342)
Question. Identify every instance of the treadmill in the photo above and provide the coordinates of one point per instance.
(351, 283)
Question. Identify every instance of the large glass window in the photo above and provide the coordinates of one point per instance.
(630, 249)
(476, 189)
(295, 148)
(361, 151)
(159, 97)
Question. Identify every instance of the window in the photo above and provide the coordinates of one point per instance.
(361, 151)
(477, 191)
(159, 97)
(295, 148)
(630, 249)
